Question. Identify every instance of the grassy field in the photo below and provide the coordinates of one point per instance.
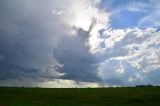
(134, 96)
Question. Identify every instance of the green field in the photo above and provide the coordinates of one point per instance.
(125, 96)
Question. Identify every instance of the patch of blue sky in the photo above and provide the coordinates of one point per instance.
(122, 17)
(112, 4)
(109, 5)
(126, 19)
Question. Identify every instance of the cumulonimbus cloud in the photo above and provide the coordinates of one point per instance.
(73, 40)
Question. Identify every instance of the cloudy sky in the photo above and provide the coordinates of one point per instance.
(79, 43)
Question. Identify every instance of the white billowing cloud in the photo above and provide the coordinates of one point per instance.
(147, 61)
(145, 56)
(79, 13)
(141, 58)
(86, 15)
(94, 41)
(113, 36)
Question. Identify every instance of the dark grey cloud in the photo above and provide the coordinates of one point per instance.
(29, 33)
(78, 63)
(27, 38)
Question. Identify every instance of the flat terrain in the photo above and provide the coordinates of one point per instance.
(125, 96)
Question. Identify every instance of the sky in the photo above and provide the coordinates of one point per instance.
(79, 43)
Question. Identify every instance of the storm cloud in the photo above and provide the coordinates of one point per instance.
(72, 43)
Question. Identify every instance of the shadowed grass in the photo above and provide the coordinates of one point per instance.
(125, 96)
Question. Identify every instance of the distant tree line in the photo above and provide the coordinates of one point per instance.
(149, 85)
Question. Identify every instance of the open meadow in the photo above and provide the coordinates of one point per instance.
(124, 96)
